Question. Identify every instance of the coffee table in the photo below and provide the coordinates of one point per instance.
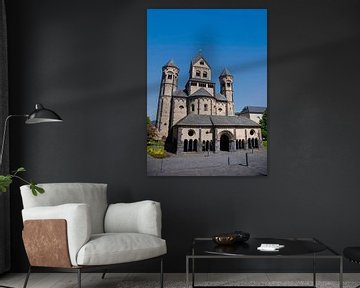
(294, 248)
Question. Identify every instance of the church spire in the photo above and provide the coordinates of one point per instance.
(225, 72)
(171, 63)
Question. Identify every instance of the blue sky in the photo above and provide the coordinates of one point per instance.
(231, 38)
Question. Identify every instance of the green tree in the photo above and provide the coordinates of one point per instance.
(263, 124)
(151, 130)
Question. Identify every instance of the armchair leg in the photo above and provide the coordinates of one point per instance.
(103, 275)
(161, 273)
(79, 277)
(27, 277)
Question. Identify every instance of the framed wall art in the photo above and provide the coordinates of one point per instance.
(207, 92)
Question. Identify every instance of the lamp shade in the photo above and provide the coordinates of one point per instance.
(42, 115)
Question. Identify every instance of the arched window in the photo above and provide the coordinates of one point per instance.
(205, 107)
(203, 145)
(253, 143)
(192, 107)
(190, 145)
(249, 143)
(237, 144)
(228, 84)
(195, 145)
(198, 73)
(212, 145)
(243, 144)
(256, 143)
(207, 145)
(185, 145)
(205, 74)
(201, 62)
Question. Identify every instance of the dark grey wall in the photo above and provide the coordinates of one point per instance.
(87, 60)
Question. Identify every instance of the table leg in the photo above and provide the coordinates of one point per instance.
(193, 267)
(314, 271)
(187, 272)
(341, 273)
(193, 272)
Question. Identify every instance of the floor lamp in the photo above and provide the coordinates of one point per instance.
(39, 115)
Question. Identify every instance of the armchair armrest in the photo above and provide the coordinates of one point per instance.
(77, 217)
(138, 217)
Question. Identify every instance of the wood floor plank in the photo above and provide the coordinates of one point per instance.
(114, 280)
(54, 280)
(12, 279)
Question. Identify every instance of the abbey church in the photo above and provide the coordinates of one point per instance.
(197, 118)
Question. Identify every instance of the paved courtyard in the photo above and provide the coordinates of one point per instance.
(210, 164)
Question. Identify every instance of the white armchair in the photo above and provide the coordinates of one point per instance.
(72, 228)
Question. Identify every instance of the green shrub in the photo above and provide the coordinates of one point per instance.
(155, 143)
(156, 151)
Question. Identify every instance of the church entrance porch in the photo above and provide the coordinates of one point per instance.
(224, 143)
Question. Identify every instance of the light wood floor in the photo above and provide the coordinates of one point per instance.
(113, 280)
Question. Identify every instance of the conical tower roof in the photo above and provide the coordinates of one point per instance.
(171, 63)
(225, 72)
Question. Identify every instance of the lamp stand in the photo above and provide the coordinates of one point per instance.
(4, 135)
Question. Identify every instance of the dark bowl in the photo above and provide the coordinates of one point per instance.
(225, 239)
(231, 238)
(241, 236)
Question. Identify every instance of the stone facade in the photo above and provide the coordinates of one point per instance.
(197, 119)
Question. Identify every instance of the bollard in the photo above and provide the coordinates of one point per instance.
(228, 160)
(246, 158)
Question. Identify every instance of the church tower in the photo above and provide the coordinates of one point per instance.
(200, 76)
(169, 82)
(226, 84)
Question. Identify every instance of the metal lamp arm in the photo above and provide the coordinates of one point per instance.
(4, 134)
